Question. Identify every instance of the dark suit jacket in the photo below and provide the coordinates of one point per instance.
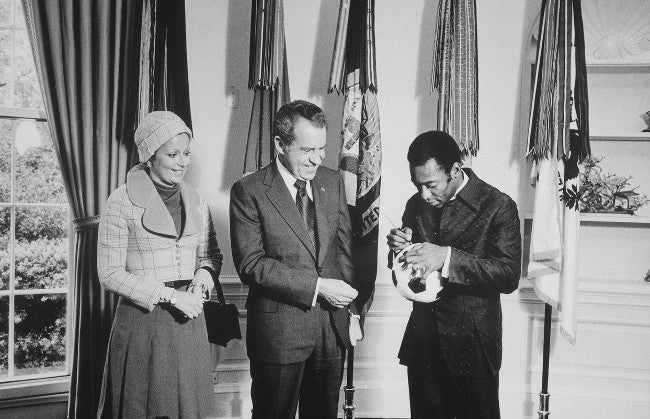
(482, 227)
(274, 256)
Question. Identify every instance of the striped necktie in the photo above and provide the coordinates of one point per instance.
(307, 210)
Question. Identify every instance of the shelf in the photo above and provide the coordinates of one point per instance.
(616, 67)
(621, 136)
(613, 218)
(600, 218)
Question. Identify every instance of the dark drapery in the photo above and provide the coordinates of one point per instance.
(87, 55)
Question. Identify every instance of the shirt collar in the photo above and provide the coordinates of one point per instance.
(462, 185)
(290, 179)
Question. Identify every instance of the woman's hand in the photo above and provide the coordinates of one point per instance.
(188, 303)
(202, 283)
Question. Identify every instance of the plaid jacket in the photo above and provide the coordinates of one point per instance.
(137, 246)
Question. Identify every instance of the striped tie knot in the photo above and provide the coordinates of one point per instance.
(301, 185)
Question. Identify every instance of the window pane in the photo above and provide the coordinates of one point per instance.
(40, 334)
(7, 134)
(27, 92)
(5, 67)
(5, 265)
(41, 248)
(4, 333)
(5, 163)
(38, 178)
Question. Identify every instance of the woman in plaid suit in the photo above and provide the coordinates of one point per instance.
(157, 248)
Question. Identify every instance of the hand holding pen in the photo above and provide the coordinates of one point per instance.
(398, 238)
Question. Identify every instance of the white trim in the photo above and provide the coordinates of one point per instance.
(34, 391)
(23, 113)
(30, 291)
(37, 205)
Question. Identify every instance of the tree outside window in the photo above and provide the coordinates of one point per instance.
(34, 218)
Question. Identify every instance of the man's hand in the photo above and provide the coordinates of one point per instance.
(202, 284)
(336, 292)
(399, 238)
(427, 257)
(355, 329)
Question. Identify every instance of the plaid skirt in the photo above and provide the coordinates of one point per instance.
(158, 365)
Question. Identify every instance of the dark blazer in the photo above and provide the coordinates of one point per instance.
(482, 227)
(275, 257)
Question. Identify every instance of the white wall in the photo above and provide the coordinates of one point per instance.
(614, 326)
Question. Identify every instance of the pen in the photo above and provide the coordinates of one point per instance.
(390, 221)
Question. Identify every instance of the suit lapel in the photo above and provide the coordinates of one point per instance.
(322, 223)
(191, 201)
(279, 195)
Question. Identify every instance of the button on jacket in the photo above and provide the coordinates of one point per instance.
(137, 245)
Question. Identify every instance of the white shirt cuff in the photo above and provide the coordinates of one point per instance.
(313, 302)
(165, 294)
(445, 267)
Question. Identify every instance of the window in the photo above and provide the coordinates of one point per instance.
(34, 219)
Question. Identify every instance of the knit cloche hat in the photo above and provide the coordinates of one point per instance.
(154, 131)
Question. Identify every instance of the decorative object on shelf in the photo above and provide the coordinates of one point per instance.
(646, 118)
(617, 31)
(606, 193)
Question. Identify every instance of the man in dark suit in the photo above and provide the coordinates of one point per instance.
(469, 231)
(291, 238)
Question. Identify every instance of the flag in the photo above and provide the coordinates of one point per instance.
(455, 72)
(268, 77)
(353, 72)
(163, 84)
(558, 139)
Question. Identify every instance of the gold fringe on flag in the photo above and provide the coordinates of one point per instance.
(454, 72)
(268, 77)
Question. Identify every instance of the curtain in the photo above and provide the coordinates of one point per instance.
(87, 55)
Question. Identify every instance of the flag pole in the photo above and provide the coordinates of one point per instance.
(348, 405)
(543, 395)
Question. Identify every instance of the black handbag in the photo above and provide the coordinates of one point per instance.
(221, 319)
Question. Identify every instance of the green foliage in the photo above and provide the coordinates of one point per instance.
(4, 328)
(42, 263)
(601, 192)
(38, 178)
(40, 332)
